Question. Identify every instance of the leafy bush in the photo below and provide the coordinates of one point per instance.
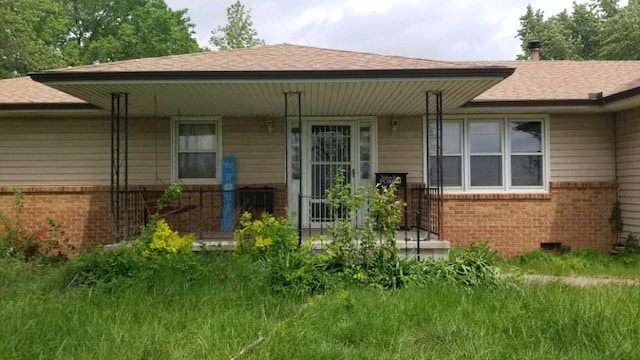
(273, 242)
(357, 253)
(158, 239)
(262, 236)
(366, 256)
(158, 248)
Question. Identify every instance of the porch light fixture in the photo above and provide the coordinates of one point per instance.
(394, 125)
(269, 124)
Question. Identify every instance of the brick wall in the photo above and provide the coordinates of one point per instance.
(573, 213)
(83, 211)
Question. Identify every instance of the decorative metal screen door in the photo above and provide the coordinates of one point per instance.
(331, 150)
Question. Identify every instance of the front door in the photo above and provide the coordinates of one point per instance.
(328, 147)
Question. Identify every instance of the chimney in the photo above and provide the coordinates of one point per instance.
(534, 50)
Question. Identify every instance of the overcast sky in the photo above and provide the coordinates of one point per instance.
(434, 29)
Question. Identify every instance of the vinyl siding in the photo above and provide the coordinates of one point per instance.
(54, 151)
(628, 167)
(77, 151)
(402, 151)
(260, 157)
(582, 148)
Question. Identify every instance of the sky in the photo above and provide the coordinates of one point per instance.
(433, 29)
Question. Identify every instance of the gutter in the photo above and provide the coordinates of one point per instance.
(46, 106)
(56, 76)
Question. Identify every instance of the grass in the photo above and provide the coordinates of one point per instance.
(577, 263)
(223, 309)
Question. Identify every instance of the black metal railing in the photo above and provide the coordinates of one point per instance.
(197, 210)
(422, 215)
(425, 205)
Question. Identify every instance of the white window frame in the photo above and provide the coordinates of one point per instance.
(506, 154)
(178, 120)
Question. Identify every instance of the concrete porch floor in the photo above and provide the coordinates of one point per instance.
(407, 243)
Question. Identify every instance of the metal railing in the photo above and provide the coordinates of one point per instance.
(422, 216)
(198, 211)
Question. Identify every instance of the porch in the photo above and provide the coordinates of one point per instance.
(200, 211)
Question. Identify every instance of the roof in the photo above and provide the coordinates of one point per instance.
(562, 80)
(332, 82)
(281, 57)
(23, 93)
(532, 82)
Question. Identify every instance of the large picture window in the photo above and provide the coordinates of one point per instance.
(196, 150)
(500, 154)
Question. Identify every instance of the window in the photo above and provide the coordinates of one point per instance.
(451, 151)
(485, 153)
(490, 154)
(196, 150)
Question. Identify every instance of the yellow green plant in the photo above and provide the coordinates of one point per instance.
(157, 238)
(167, 241)
(260, 235)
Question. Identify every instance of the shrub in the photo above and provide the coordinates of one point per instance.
(157, 249)
(358, 254)
(163, 241)
(273, 242)
(157, 238)
(262, 236)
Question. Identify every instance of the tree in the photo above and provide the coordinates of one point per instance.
(112, 30)
(43, 34)
(30, 33)
(239, 31)
(601, 29)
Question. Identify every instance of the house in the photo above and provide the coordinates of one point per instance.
(521, 153)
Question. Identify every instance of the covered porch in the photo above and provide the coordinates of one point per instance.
(289, 127)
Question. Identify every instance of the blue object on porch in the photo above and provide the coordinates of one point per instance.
(228, 193)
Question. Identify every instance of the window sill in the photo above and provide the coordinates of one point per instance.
(537, 195)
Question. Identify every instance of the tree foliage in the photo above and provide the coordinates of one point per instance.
(43, 34)
(239, 31)
(30, 32)
(600, 29)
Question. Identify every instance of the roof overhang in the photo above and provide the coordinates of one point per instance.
(624, 100)
(255, 93)
(534, 106)
(45, 109)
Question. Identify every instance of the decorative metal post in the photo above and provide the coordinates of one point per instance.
(119, 216)
(293, 114)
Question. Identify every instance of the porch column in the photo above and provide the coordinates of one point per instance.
(434, 115)
(118, 219)
(293, 114)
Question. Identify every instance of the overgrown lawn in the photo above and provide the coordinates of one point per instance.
(576, 263)
(221, 308)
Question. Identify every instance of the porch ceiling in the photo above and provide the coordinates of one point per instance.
(264, 97)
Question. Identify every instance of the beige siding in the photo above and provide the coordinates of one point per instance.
(402, 151)
(148, 136)
(77, 151)
(628, 167)
(259, 155)
(54, 151)
(582, 148)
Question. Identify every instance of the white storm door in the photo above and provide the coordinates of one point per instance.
(331, 150)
